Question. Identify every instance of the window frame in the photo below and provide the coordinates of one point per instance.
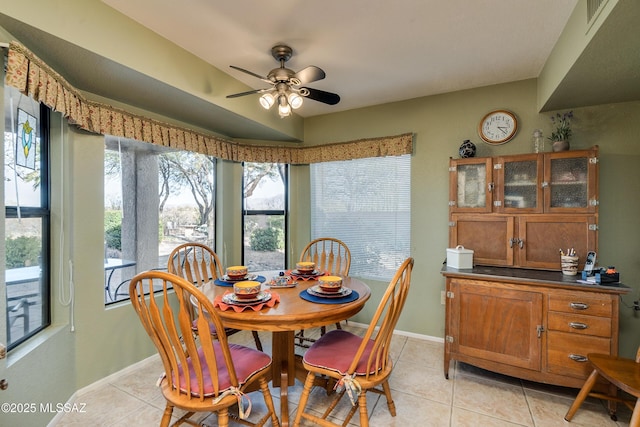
(44, 213)
(268, 212)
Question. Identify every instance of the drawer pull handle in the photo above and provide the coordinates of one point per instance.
(578, 357)
(579, 305)
(578, 325)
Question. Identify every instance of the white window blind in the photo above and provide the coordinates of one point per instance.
(365, 203)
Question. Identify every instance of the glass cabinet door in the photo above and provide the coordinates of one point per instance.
(471, 185)
(519, 183)
(570, 181)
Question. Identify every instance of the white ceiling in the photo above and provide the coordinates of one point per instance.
(373, 51)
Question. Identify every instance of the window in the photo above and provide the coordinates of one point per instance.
(365, 203)
(26, 200)
(264, 216)
(155, 200)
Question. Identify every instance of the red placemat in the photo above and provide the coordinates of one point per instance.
(217, 302)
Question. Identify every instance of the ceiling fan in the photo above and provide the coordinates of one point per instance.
(286, 85)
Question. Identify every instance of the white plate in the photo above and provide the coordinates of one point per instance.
(232, 299)
(249, 276)
(288, 285)
(316, 291)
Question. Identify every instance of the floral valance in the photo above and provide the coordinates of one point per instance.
(33, 77)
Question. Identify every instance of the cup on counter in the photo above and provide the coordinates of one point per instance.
(569, 265)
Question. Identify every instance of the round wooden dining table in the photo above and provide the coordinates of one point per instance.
(290, 314)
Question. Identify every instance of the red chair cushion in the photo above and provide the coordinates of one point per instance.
(247, 362)
(336, 349)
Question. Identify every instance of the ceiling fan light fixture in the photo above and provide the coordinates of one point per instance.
(267, 100)
(295, 100)
(284, 109)
(285, 85)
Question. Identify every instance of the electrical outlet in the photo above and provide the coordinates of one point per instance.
(443, 297)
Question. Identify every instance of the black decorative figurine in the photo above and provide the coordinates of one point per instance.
(467, 149)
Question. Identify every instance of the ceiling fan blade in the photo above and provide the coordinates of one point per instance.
(322, 96)
(310, 74)
(251, 73)
(249, 92)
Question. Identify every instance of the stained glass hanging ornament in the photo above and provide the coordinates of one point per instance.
(26, 140)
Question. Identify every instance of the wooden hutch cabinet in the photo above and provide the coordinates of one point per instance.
(520, 210)
(530, 324)
(515, 312)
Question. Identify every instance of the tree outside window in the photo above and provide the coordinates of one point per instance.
(155, 200)
(264, 216)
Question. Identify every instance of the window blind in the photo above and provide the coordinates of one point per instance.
(365, 203)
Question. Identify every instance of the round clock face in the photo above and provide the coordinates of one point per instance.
(498, 127)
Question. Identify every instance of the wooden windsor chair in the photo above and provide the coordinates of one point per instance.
(332, 256)
(359, 364)
(621, 373)
(202, 374)
(198, 264)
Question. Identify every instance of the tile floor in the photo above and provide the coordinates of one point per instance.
(423, 397)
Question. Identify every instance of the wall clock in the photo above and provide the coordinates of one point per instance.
(498, 127)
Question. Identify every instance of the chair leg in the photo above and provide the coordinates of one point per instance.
(300, 336)
(223, 417)
(304, 397)
(635, 416)
(256, 338)
(582, 395)
(362, 403)
(264, 386)
(166, 417)
(387, 393)
(338, 325)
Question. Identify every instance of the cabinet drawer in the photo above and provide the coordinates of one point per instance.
(580, 303)
(580, 324)
(567, 353)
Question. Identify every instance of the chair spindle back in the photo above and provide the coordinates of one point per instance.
(195, 262)
(166, 319)
(329, 254)
(384, 321)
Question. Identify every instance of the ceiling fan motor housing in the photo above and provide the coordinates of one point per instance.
(281, 52)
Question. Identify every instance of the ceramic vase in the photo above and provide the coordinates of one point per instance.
(467, 149)
(560, 145)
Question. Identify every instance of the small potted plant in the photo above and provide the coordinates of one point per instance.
(562, 131)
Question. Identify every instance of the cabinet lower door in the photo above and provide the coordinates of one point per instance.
(496, 324)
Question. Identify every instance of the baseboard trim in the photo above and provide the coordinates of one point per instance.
(404, 333)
